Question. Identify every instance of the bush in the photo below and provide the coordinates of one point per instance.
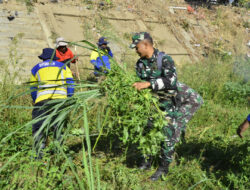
(219, 80)
(236, 93)
(244, 3)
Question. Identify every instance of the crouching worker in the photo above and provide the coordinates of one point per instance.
(100, 60)
(50, 80)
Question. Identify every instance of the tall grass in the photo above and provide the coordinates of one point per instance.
(58, 113)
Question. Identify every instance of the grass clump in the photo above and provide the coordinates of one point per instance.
(131, 111)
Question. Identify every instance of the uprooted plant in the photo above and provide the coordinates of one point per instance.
(132, 111)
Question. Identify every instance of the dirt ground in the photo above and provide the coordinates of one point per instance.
(187, 34)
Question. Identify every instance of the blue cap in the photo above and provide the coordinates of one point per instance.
(102, 41)
(47, 54)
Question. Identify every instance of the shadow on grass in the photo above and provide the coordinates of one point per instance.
(107, 145)
(216, 156)
(111, 147)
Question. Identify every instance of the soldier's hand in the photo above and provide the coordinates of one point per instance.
(141, 85)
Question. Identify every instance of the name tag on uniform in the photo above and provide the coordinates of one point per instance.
(44, 64)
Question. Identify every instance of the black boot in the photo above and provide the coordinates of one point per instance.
(145, 164)
(161, 171)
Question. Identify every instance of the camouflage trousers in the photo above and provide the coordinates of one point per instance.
(178, 115)
(189, 102)
(167, 147)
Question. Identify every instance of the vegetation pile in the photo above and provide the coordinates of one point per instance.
(130, 111)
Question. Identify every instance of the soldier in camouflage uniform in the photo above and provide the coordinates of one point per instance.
(164, 83)
(159, 72)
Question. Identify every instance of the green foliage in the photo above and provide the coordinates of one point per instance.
(216, 79)
(244, 3)
(236, 93)
(131, 110)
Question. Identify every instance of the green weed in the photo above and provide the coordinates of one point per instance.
(131, 110)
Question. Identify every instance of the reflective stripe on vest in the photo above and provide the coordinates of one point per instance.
(51, 86)
(51, 92)
(38, 77)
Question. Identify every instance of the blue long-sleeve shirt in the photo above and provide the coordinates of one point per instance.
(103, 62)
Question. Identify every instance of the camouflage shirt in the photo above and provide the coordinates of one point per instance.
(164, 80)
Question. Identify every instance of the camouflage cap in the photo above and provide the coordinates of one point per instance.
(137, 37)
